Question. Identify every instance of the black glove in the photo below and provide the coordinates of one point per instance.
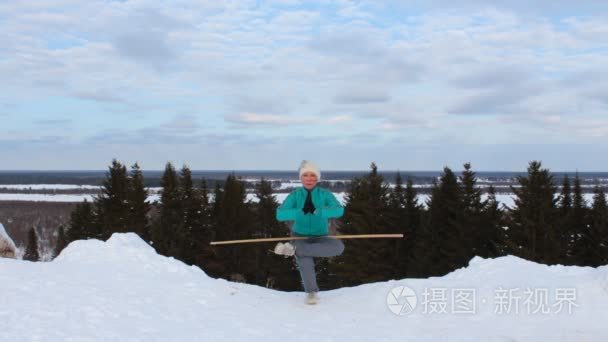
(309, 208)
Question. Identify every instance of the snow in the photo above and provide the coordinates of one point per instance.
(49, 186)
(506, 199)
(45, 197)
(121, 290)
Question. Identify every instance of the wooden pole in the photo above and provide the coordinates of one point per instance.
(288, 238)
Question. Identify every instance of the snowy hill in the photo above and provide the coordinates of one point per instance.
(121, 290)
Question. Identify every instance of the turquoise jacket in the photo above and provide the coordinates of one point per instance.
(326, 204)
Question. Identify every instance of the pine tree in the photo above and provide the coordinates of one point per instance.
(532, 230)
(595, 242)
(233, 221)
(138, 205)
(367, 211)
(405, 216)
(580, 225)
(112, 204)
(450, 245)
(62, 241)
(272, 270)
(202, 234)
(192, 217)
(83, 223)
(492, 234)
(473, 207)
(566, 220)
(31, 251)
(411, 229)
(165, 231)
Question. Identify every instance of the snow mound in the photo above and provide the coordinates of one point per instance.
(121, 290)
(122, 250)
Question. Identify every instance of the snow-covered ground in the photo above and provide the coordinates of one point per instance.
(49, 187)
(506, 199)
(121, 290)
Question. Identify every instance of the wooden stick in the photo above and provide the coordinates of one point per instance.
(288, 238)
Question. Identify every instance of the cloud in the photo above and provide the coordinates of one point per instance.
(270, 119)
(54, 122)
(421, 71)
(360, 96)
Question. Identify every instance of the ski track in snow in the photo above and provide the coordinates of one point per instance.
(121, 290)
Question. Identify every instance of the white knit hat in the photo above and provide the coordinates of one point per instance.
(308, 166)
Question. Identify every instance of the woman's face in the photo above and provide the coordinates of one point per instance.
(309, 180)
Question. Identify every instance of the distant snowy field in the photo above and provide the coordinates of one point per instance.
(121, 290)
(504, 199)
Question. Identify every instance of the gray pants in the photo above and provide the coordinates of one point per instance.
(314, 247)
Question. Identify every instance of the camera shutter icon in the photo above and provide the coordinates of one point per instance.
(401, 300)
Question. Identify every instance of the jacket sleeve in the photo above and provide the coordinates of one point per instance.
(287, 211)
(332, 207)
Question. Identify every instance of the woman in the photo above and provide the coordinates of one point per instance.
(310, 206)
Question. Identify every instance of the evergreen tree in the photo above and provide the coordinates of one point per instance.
(579, 228)
(450, 242)
(473, 207)
(112, 204)
(492, 234)
(595, 242)
(565, 198)
(412, 223)
(165, 231)
(202, 234)
(367, 211)
(62, 241)
(566, 219)
(31, 251)
(271, 270)
(532, 230)
(405, 216)
(233, 221)
(82, 223)
(138, 205)
(193, 217)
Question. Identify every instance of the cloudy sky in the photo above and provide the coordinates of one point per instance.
(265, 84)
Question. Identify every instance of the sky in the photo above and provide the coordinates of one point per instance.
(262, 85)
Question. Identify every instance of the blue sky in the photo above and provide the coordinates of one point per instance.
(265, 84)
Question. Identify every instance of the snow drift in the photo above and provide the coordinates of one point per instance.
(121, 290)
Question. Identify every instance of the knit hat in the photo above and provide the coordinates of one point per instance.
(307, 166)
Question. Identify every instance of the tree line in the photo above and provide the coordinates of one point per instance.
(548, 224)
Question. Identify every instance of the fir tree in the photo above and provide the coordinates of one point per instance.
(580, 226)
(272, 270)
(31, 251)
(450, 243)
(412, 225)
(405, 217)
(492, 235)
(138, 205)
(165, 231)
(233, 221)
(532, 230)
(202, 234)
(112, 204)
(62, 241)
(193, 217)
(83, 223)
(472, 215)
(367, 211)
(595, 246)
(566, 220)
